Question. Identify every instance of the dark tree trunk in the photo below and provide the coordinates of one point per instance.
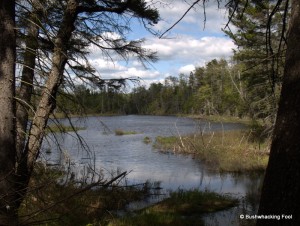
(48, 97)
(24, 98)
(281, 188)
(8, 209)
(26, 87)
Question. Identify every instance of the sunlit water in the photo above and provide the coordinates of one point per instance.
(109, 153)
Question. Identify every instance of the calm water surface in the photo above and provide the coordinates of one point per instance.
(109, 153)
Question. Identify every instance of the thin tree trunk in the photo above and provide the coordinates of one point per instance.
(281, 188)
(24, 98)
(26, 87)
(8, 211)
(48, 97)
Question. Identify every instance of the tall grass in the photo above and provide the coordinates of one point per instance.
(231, 151)
(52, 199)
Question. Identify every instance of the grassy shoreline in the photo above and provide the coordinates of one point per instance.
(181, 208)
(51, 202)
(53, 198)
(220, 118)
(230, 151)
(213, 118)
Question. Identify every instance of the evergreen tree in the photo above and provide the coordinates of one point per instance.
(58, 35)
(261, 62)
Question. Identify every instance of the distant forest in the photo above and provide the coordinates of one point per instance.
(219, 88)
(246, 86)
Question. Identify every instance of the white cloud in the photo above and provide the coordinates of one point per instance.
(172, 10)
(106, 66)
(110, 69)
(186, 69)
(179, 55)
(191, 50)
(187, 46)
(134, 72)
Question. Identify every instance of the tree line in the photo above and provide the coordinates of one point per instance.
(218, 88)
(213, 89)
(248, 85)
(51, 40)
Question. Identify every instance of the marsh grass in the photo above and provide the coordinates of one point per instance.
(181, 208)
(166, 143)
(194, 202)
(52, 200)
(231, 151)
(120, 132)
(147, 140)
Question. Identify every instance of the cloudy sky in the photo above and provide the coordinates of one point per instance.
(191, 43)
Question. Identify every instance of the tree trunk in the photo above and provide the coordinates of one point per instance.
(8, 210)
(26, 87)
(48, 97)
(281, 188)
(24, 98)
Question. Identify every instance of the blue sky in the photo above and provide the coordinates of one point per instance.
(185, 47)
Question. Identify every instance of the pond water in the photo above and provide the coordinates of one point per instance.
(109, 153)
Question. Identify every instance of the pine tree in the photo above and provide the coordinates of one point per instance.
(261, 62)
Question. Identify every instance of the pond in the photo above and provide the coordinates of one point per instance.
(110, 153)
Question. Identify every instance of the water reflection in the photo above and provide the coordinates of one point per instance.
(249, 199)
(109, 152)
